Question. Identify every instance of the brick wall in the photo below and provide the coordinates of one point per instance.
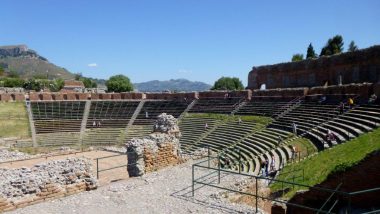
(164, 157)
(353, 67)
(48, 192)
(171, 96)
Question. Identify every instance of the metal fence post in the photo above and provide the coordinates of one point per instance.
(192, 181)
(218, 169)
(239, 161)
(349, 204)
(257, 187)
(208, 155)
(97, 168)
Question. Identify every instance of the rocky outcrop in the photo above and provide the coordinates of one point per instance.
(6, 155)
(159, 149)
(19, 50)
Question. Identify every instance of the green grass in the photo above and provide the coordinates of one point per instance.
(304, 146)
(339, 158)
(14, 120)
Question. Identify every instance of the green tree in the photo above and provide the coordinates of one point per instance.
(333, 46)
(228, 83)
(310, 52)
(13, 82)
(1, 71)
(32, 84)
(119, 83)
(297, 57)
(78, 76)
(88, 83)
(352, 47)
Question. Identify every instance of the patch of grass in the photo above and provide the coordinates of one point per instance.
(304, 146)
(14, 120)
(339, 158)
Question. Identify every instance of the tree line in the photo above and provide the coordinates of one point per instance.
(333, 46)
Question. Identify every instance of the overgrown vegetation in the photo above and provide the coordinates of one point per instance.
(14, 120)
(228, 83)
(119, 83)
(339, 158)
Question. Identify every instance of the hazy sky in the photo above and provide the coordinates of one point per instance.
(194, 39)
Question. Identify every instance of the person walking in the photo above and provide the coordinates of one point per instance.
(294, 128)
(206, 126)
(273, 164)
(341, 108)
(350, 102)
(262, 165)
(279, 140)
(239, 120)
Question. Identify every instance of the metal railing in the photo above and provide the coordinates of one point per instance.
(218, 170)
(110, 168)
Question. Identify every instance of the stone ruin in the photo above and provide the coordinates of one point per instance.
(53, 179)
(159, 149)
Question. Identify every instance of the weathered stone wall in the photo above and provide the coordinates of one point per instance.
(171, 96)
(158, 150)
(50, 180)
(220, 94)
(165, 156)
(354, 67)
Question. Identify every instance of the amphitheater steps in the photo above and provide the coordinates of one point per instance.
(58, 139)
(137, 131)
(103, 136)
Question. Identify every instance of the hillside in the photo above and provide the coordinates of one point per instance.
(172, 85)
(27, 63)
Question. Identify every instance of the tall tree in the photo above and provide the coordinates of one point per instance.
(352, 47)
(310, 52)
(228, 83)
(297, 57)
(333, 46)
(119, 83)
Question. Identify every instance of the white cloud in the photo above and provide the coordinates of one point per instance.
(92, 65)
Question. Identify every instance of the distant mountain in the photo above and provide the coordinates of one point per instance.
(27, 63)
(171, 85)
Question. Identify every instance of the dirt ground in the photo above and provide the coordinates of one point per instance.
(105, 163)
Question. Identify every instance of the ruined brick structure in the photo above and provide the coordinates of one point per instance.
(352, 67)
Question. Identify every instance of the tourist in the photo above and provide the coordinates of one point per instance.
(206, 126)
(294, 125)
(146, 114)
(266, 167)
(350, 102)
(239, 120)
(279, 140)
(372, 99)
(294, 151)
(272, 164)
(341, 107)
(99, 124)
(262, 168)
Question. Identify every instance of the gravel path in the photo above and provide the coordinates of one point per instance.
(165, 191)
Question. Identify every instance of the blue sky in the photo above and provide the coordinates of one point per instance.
(195, 39)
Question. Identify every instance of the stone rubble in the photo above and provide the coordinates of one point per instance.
(6, 155)
(16, 183)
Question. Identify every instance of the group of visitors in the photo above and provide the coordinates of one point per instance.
(267, 167)
(96, 124)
